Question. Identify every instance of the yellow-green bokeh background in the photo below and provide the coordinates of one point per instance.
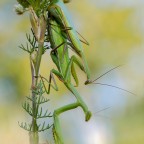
(114, 30)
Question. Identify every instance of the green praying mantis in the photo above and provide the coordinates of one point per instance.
(51, 23)
(62, 37)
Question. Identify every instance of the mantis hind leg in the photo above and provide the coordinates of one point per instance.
(80, 101)
(56, 128)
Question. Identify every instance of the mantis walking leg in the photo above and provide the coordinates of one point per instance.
(57, 112)
(57, 130)
(71, 87)
(70, 68)
(73, 90)
(79, 101)
(51, 77)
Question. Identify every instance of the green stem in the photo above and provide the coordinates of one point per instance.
(39, 56)
(34, 137)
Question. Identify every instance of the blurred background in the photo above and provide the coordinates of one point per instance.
(115, 31)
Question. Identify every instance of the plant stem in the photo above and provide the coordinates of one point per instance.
(34, 137)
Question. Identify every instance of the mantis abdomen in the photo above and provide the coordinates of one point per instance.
(60, 56)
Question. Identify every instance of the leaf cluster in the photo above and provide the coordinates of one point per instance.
(37, 111)
(32, 45)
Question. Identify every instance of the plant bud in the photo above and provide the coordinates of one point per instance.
(42, 29)
(34, 22)
(33, 56)
(19, 9)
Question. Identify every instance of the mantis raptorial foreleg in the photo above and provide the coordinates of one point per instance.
(70, 69)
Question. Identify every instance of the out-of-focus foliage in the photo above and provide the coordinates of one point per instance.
(3, 2)
(129, 126)
(111, 31)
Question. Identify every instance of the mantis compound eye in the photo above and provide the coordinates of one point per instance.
(66, 1)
